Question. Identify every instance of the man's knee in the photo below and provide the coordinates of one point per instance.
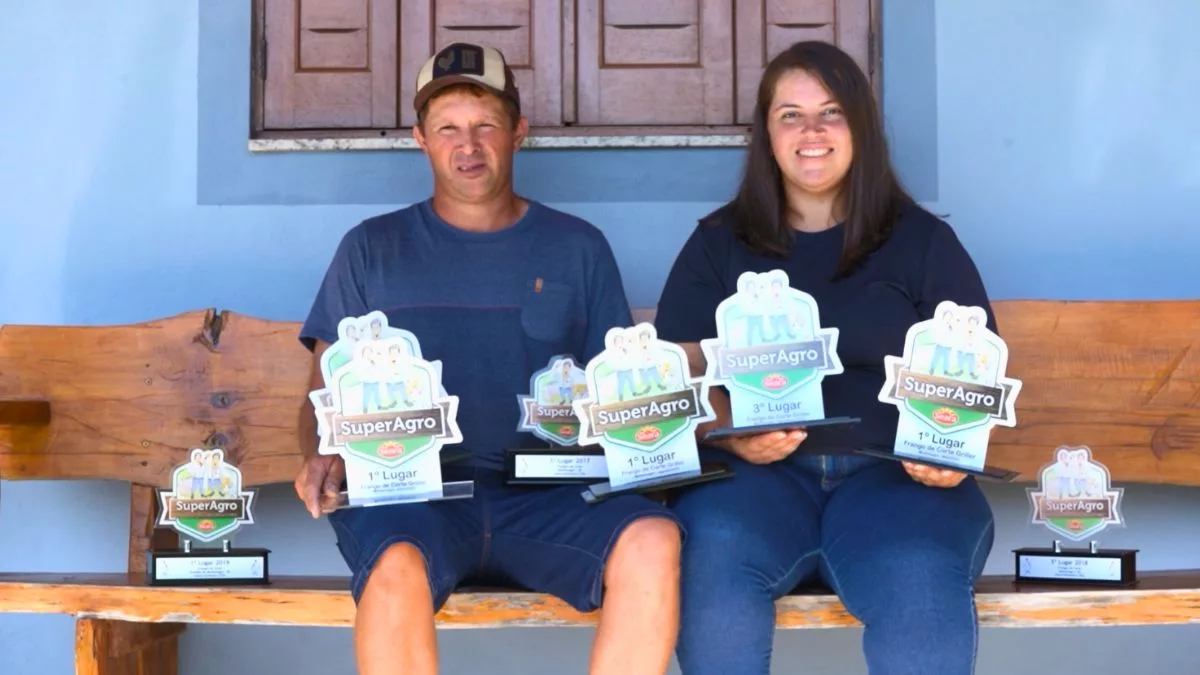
(400, 570)
(648, 547)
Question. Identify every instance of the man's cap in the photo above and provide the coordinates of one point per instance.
(460, 63)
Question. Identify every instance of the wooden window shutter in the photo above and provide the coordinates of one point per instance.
(767, 27)
(660, 62)
(330, 64)
(527, 32)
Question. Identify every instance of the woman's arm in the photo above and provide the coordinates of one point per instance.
(686, 315)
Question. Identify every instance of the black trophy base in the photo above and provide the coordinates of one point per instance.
(207, 567)
(1091, 566)
(554, 466)
(989, 473)
(737, 432)
(594, 494)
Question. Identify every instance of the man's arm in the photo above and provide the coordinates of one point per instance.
(320, 478)
(340, 295)
(342, 292)
(306, 427)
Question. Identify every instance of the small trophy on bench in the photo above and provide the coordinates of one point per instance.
(1075, 499)
(771, 355)
(385, 411)
(642, 407)
(951, 389)
(547, 413)
(205, 505)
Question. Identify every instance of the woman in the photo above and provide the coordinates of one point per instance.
(901, 544)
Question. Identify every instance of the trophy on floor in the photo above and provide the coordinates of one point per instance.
(951, 389)
(771, 354)
(1075, 499)
(642, 408)
(385, 411)
(206, 505)
(547, 413)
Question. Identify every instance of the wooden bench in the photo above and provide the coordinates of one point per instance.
(128, 402)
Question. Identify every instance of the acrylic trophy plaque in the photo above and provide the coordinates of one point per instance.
(385, 411)
(951, 389)
(771, 355)
(1075, 499)
(547, 413)
(642, 408)
(206, 505)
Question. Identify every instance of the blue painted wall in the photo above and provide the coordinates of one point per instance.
(1059, 137)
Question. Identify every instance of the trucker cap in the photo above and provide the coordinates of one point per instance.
(466, 63)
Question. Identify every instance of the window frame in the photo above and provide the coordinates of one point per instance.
(565, 136)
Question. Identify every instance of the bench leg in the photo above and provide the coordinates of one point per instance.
(105, 647)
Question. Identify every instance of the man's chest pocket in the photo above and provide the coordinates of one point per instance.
(546, 310)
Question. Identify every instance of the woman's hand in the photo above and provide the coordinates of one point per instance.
(766, 448)
(756, 449)
(933, 477)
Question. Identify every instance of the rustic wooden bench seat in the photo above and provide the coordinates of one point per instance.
(1160, 598)
(128, 402)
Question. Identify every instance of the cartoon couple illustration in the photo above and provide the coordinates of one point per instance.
(564, 382)
(381, 369)
(369, 327)
(633, 350)
(1073, 476)
(957, 331)
(207, 476)
(766, 302)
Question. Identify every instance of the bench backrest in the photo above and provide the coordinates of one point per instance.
(129, 402)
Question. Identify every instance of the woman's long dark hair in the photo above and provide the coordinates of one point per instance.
(870, 193)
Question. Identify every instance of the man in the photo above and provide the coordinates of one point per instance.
(494, 285)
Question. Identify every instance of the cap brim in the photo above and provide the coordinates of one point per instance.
(448, 80)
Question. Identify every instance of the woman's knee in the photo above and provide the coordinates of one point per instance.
(919, 582)
(741, 549)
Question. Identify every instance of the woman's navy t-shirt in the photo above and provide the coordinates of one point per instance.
(921, 264)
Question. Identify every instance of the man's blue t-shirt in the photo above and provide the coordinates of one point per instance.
(921, 264)
(494, 307)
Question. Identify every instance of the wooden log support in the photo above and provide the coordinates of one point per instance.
(106, 647)
(110, 646)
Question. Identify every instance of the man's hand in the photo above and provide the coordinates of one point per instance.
(933, 477)
(766, 448)
(319, 482)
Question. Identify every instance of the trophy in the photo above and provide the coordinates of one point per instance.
(206, 504)
(385, 411)
(1075, 499)
(771, 355)
(642, 407)
(547, 413)
(951, 389)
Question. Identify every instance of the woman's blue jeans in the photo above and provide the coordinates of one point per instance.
(903, 558)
